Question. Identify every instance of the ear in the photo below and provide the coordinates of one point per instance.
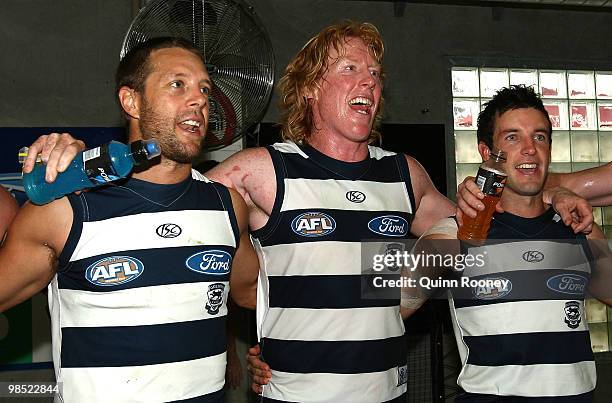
(484, 151)
(311, 93)
(130, 101)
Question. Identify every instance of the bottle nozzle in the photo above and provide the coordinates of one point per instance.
(151, 148)
(23, 153)
(498, 155)
(143, 150)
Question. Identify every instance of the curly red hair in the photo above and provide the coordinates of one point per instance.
(305, 70)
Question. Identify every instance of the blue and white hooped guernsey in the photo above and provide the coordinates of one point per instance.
(138, 306)
(323, 342)
(530, 337)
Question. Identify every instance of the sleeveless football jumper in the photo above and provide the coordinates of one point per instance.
(138, 305)
(531, 337)
(323, 342)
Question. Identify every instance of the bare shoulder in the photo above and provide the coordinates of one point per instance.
(251, 173)
(36, 238)
(431, 205)
(421, 182)
(417, 172)
(29, 255)
(233, 171)
(47, 225)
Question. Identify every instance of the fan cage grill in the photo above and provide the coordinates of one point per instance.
(237, 51)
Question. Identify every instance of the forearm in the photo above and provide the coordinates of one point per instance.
(11, 297)
(593, 184)
(19, 282)
(244, 293)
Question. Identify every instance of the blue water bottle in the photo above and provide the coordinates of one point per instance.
(90, 168)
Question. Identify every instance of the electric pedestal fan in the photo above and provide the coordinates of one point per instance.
(237, 51)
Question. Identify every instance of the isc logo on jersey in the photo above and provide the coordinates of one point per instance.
(114, 270)
(215, 262)
(488, 293)
(389, 225)
(313, 224)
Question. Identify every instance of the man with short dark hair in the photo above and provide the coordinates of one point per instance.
(524, 336)
(137, 313)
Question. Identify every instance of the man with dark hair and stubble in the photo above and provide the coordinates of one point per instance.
(137, 315)
(524, 337)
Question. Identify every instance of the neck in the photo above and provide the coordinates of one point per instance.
(165, 172)
(523, 206)
(343, 150)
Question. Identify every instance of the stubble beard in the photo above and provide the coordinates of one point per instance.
(161, 128)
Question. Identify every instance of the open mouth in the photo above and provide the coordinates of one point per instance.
(527, 168)
(361, 105)
(190, 125)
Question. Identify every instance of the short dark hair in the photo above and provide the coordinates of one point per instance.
(508, 98)
(134, 67)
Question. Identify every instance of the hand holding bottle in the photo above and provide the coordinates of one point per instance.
(491, 179)
(56, 150)
(90, 168)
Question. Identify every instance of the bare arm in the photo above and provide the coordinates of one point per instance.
(431, 205)
(594, 184)
(28, 258)
(573, 209)
(245, 266)
(600, 285)
(439, 239)
(243, 170)
(233, 371)
(8, 210)
(251, 173)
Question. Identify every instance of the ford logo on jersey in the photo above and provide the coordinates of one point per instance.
(313, 224)
(490, 292)
(114, 270)
(389, 225)
(573, 284)
(215, 262)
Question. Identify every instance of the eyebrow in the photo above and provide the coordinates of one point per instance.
(182, 75)
(513, 130)
(348, 59)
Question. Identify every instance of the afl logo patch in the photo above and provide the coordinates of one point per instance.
(313, 224)
(114, 270)
(355, 196)
(168, 230)
(490, 292)
(573, 284)
(533, 256)
(389, 225)
(215, 262)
